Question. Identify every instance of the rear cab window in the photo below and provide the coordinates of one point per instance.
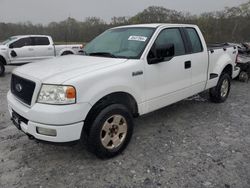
(194, 40)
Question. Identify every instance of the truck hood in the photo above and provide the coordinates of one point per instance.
(60, 69)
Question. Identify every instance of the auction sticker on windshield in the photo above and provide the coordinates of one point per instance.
(138, 38)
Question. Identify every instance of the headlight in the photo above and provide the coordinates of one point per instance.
(57, 94)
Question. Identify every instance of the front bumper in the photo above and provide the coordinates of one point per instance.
(65, 120)
(66, 133)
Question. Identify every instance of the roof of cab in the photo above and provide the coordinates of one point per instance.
(22, 36)
(156, 25)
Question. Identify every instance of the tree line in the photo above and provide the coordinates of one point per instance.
(229, 25)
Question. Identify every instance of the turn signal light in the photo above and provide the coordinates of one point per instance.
(70, 92)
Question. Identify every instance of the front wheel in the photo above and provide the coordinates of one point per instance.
(111, 131)
(2, 69)
(221, 91)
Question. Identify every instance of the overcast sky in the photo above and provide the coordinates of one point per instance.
(45, 11)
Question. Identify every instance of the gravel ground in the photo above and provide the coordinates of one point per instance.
(193, 143)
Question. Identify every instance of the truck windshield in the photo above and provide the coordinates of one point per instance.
(8, 40)
(126, 43)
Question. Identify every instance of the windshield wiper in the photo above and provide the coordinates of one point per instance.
(105, 54)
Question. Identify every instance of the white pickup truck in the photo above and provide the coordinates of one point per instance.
(126, 72)
(32, 48)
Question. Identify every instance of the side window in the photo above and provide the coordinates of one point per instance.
(41, 41)
(21, 43)
(173, 36)
(195, 40)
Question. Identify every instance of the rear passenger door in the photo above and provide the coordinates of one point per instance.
(42, 48)
(166, 81)
(199, 59)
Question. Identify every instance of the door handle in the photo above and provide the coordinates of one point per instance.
(187, 64)
(31, 49)
(50, 48)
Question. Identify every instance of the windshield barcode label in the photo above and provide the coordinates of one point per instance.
(138, 38)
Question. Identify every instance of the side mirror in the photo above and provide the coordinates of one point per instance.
(13, 53)
(163, 52)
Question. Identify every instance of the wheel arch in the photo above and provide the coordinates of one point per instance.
(224, 64)
(119, 97)
(3, 60)
(123, 98)
(228, 69)
(66, 50)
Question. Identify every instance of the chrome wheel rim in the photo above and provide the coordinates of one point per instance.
(114, 132)
(224, 88)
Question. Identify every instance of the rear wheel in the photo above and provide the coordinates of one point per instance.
(110, 131)
(67, 53)
(221, 91)
(2, 69)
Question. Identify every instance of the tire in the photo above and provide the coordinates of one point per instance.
(110, 132)
(2, 69)
(220, 92)
(243, 76)
(66, 53)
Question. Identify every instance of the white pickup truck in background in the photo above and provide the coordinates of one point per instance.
(126, 72)
(32, 48)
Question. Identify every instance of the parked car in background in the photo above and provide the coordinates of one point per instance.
(126, 72)
(32, 48)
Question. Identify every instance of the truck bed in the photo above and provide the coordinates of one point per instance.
(215, 46)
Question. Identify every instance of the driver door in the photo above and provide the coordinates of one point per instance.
(21, 51)
(167, 81)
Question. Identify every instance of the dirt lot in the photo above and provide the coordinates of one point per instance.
(193, 143)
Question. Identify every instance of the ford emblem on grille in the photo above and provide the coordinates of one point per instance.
(18, 87)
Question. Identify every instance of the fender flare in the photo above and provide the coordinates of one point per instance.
(66, 50)
(98, 94)
(3, 59)
(104, 93)
(220, 66)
